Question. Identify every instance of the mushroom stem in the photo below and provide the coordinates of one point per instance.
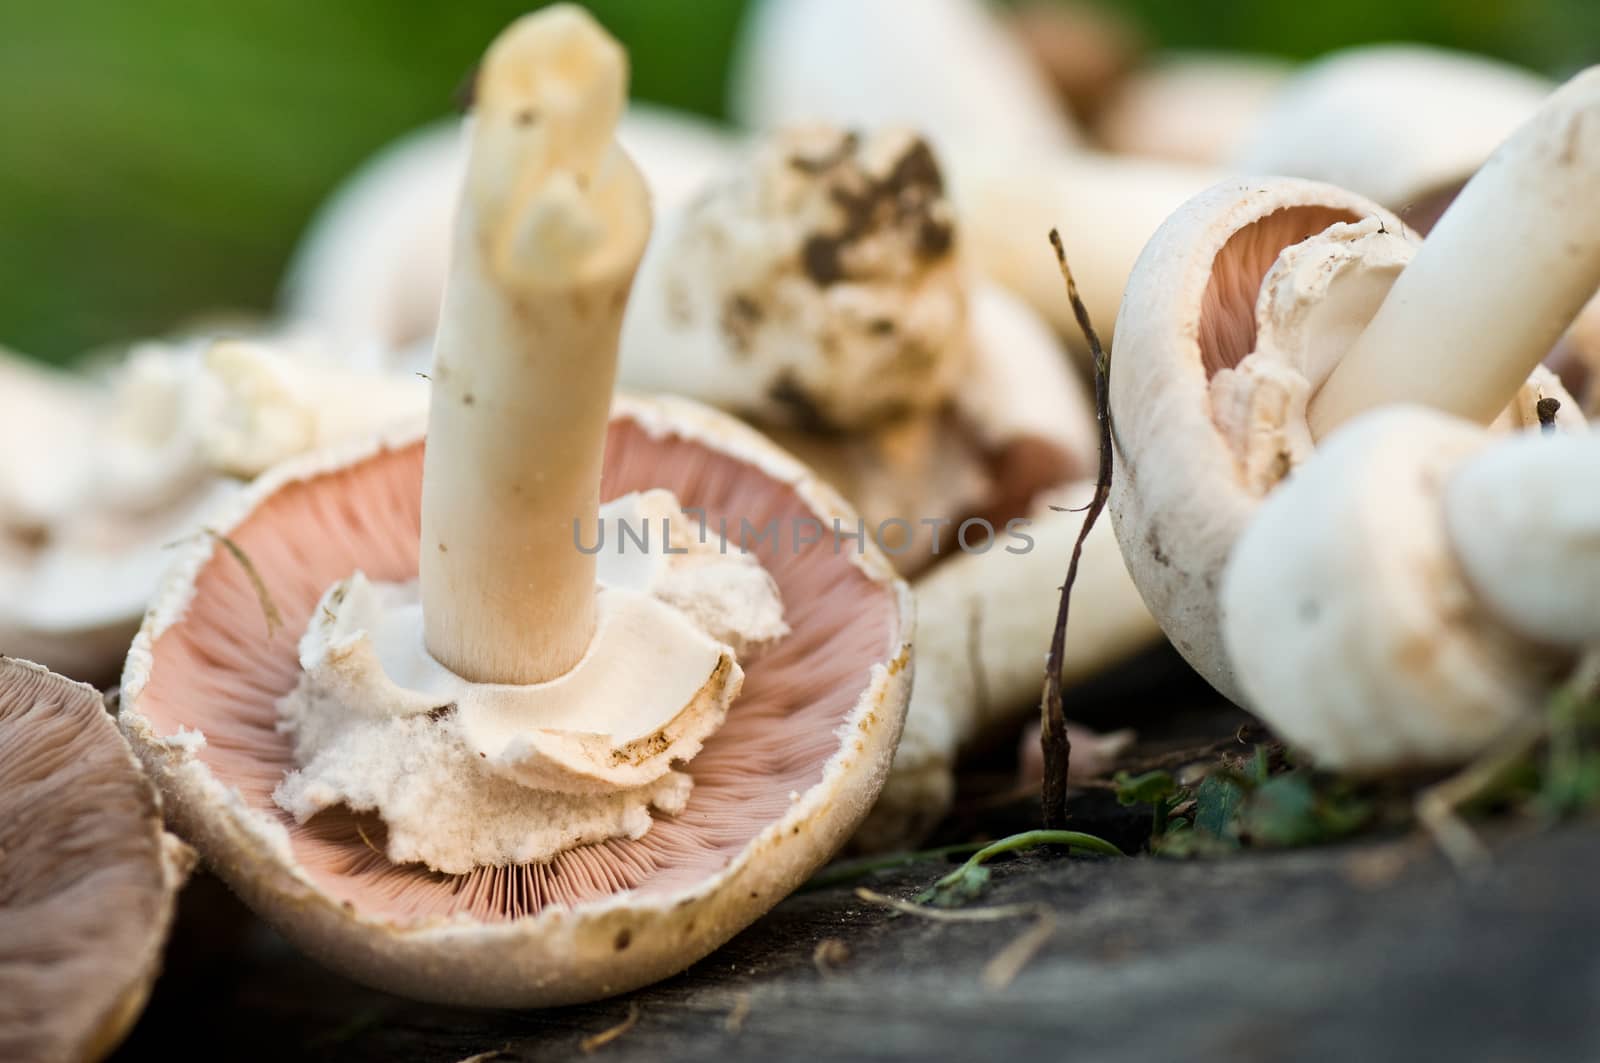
(1497, 282)
(553, 220)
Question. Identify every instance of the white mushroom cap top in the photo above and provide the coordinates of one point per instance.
(815, 287)
(88, 877)
(1398, 123)
(949, 69)
(1416, 588)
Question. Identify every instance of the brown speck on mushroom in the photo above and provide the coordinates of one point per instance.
(1546, 409)
(815, 164)
(741, 315)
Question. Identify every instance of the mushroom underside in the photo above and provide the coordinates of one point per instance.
(1227, 315)
(85, 897)
(221, 672)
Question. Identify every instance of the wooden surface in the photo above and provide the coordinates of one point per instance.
(1371, 950)
(1375, 950)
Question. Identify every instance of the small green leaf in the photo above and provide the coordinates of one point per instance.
(966, 883)
(1147, 789)
(1217, 802)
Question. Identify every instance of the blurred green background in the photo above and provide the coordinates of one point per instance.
(161, 156)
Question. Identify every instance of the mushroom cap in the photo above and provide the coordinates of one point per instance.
(1404, 124)
(777, 790)
(1358, 633)
(87, 878)
(1180, 497)
(1524, 518)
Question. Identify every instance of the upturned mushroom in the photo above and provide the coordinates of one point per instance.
(1416, 589)
(1265, 314)
(491, 754)
(88, 877)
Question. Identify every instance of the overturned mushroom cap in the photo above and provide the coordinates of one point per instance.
(1236, 314)
(777, 789)
(87, 875)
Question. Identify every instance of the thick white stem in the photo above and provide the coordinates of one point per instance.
(552, 223)
(1497, 282)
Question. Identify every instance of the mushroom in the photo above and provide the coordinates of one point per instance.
(948, 69)
(1266, 313)
(1415, 589)
(446, 788)
(1192, 107)
(136, 462)
(88, 877)
(106, 476)
(1408, 126)
(816, 291)
(984, 618)
(366, 279)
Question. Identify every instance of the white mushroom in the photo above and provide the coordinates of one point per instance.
(137, 459)
(1265, 314)
(816, 290)
(1416, 588)
(512, 761)
(949, 69)
(815, 286)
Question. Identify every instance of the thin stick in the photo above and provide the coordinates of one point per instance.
(1053, 739)
(948, 915)
(605, 1037)
(1003, 969)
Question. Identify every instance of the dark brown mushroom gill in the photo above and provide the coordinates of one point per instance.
(218, 671)
(85, 897)
(1228, 311)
